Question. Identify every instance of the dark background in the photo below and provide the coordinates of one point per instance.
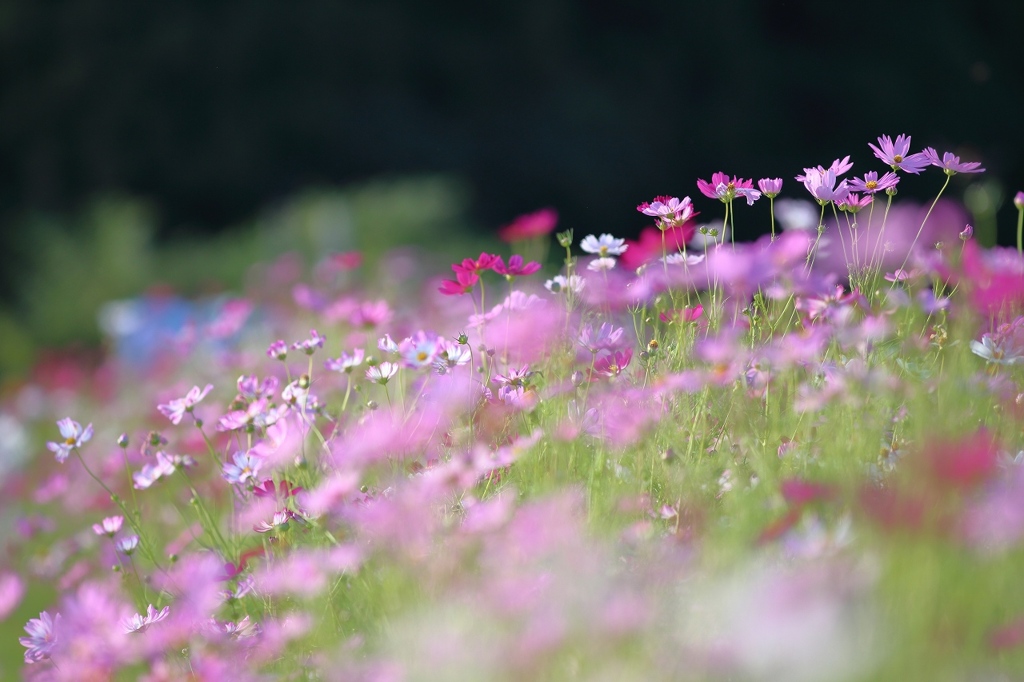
(211, 110)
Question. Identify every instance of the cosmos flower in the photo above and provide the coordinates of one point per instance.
(42, 637)
(139, 623)
(177, 408)
(604, 246)
(951, 164)
(74, 437)
(871, 183)
(896, 154)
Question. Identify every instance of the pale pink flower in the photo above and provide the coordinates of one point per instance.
(177, 408)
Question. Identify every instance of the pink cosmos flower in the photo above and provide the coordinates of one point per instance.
(896, 154)
(370, 314)
(654, 242)
(12, 589)
(670, 211)
(485, 262)
(128, 545)
(612, 364)
(278, 350)
(309, 346)
(419, 350)
(770, 187)
(606, 246)
(346, 363)
(242, 468)
(42, 637)
(535, 224)
(950, 163)
(382, 373)
(74, 437)
(871, 183)
(110, 526)
(515, 267)
(725, 189)
(822, 185)
(177, 408)
(462, 284)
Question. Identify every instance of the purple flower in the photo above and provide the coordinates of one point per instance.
(42, 637)
(1018, 200)
(770, 187)
(139, 623)
(895, 154)
(852, 203)
(725, 189)
(128, 545)
(151, 473)
(950, 163)
(871, 183)
(74, 437)
(243, 467)
(176, 409)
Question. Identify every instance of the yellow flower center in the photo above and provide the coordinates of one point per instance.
(871, 184)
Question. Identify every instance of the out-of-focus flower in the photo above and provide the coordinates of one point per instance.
(139, 622)
(110, 526)
(601, 264)
(278, 350)
(561, 284)
(951, 164)
(42, 637)
(74, 437)
(177, 408)
(1005, 346)
(128, 545)
(535, 224)
(725, 189)
(967, 233)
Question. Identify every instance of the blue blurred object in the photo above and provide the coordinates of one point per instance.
(142, 329)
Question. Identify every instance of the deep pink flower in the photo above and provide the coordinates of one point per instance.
(612, 364)
(950, 163)
(515, 267)
(649, 246)
(535, 224)
(485, 262)
(462, 284)
(852, 203)
(896, 154)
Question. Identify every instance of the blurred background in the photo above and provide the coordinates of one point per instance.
(174, 144)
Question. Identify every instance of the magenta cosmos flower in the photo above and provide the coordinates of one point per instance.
(896, 154)
(950, 163)
(177, 408)
(463, 283)
(516, 267)
(74, 437)
(725, 189)
(536, 224)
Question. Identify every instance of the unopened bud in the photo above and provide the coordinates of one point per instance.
(967, 233)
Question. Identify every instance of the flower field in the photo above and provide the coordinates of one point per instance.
(680, 457)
